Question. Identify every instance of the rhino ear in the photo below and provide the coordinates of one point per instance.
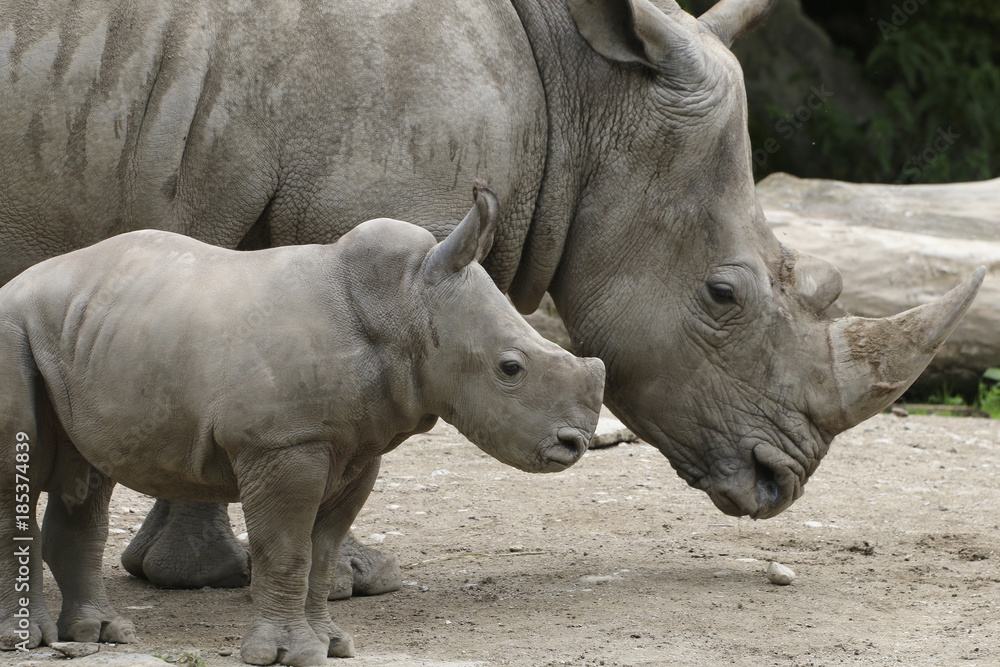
(729, 19)
(470, 241)
(635, 31)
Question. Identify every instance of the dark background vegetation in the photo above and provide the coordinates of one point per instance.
(908, 91)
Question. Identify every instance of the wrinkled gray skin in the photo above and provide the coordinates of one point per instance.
(614, 132)
(147, 360)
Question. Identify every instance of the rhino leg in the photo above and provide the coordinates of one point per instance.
(74, 533)
(363, 570)
(25, 459)
(333, 522)
(189, 545)
(282, 493)
(186, 544)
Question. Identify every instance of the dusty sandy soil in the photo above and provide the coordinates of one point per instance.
(896, 545)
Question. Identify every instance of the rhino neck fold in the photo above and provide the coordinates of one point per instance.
(562, 59)
(385, 328)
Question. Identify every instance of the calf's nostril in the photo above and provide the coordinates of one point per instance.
(572, 440)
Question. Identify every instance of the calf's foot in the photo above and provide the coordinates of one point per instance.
(87, 623)
(291, 644)
(340, 642)
(27, 629)
(188, 545)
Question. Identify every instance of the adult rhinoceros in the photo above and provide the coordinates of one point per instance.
(614, 132)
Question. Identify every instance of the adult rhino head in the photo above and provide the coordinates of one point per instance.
(713, 333)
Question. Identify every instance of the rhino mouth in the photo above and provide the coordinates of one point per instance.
(564, 449)
(767, 489)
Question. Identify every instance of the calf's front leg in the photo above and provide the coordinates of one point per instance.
(281, 491)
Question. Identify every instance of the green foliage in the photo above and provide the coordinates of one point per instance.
(938, 75)
(989, 399)
(944, 396)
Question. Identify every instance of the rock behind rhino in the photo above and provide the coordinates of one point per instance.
(148, 359)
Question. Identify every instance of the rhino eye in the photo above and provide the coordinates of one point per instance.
(722, 293)
(510, 368)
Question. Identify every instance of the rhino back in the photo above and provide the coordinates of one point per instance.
(277, 123)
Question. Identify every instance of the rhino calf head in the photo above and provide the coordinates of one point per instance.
(518, 397)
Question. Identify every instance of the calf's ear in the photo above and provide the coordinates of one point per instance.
(470, 241)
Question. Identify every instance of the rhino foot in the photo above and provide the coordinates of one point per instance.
(188, 545)
(371, 571)
(292, 644)
(41, 630)
(95, 624)
(343, 581)
(341, 643)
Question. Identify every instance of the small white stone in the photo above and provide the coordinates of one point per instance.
(812, 524)
(780, 575)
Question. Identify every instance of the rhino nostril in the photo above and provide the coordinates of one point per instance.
(573, 441)
(768, 490)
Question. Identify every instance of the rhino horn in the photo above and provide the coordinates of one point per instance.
(875, 360)
(470, 241)
(729, 19)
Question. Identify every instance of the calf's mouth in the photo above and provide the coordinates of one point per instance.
(565, 448)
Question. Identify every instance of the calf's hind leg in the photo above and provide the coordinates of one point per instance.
(74, 534)
(333, 521)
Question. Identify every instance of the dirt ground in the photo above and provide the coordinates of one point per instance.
(896, 547)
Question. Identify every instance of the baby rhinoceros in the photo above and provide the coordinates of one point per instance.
(275, 378)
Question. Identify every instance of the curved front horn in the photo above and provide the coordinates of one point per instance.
(875, 360)
(729, 19)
